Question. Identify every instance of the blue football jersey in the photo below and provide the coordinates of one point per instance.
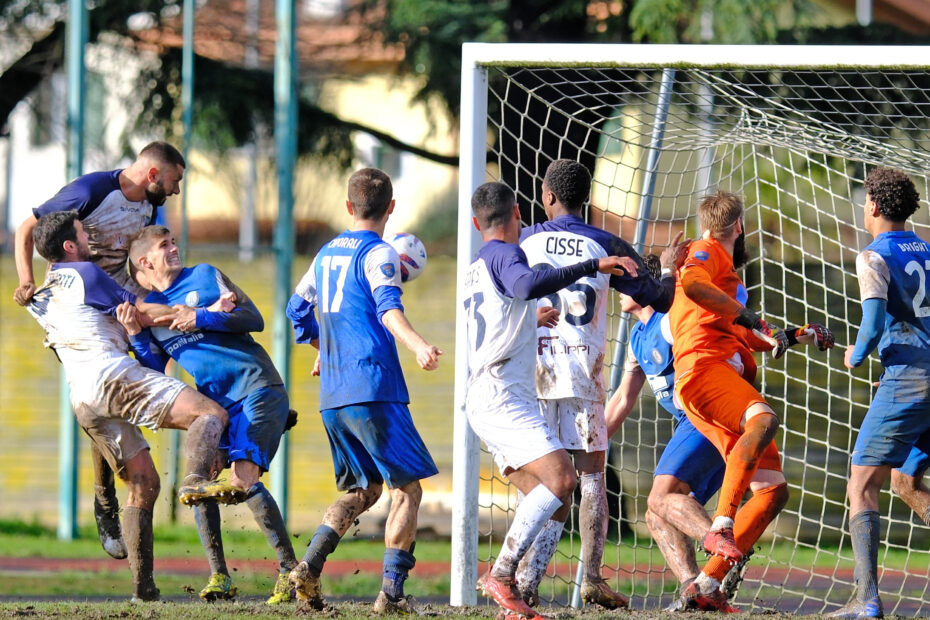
(895, 267)
(651, 350)
(226, 365)
(352, 282)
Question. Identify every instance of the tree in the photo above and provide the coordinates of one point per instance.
(228, 99)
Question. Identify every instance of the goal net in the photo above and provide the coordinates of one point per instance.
(792, 130)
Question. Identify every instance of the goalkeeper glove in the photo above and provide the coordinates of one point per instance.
(812, 333)
(782, 341)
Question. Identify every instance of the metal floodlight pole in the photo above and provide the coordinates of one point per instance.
(187, 109)
(285, 135)
(67, 431)
(187, 118)
(465, 451)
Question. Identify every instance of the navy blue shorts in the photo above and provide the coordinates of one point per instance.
(694, 460)
(896, 429)
(256, 424)
(375, 443)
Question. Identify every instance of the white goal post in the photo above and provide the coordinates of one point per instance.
(793, 129)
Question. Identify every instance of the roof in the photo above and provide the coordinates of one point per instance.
(911, 16)
(345, 44)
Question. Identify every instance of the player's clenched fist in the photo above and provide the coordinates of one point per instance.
(128, 317)
(428, 357)
(24, 293)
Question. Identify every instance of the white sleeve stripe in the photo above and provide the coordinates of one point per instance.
(375, 263)
(873, 275)
(306, 288)
(220, 284)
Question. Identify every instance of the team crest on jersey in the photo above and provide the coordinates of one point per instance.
(388, 270)
(701, 255)
(656, 356)
(192, 299)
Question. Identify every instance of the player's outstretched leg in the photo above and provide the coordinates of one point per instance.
(593, 517)
(742, 462)
(220, 586)
(705, 592)
(268, 516)
(204, 421)
(106, 506)
(305, 578)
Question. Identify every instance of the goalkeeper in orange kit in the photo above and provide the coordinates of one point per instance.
(714, 335)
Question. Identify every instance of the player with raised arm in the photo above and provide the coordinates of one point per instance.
(570, 361)
(714, 335)
(894, 438)
(113, 206)
(355, 283)
(228, 366)
(501, 403)
(690, 470)
(112, 394)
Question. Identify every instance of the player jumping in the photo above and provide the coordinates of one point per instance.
(714, 335)
(227, 365)
(690, 470)
(112, 394)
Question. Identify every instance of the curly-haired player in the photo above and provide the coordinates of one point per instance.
(895, 435)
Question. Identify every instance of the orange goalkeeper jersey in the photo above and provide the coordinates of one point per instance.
(699, 335)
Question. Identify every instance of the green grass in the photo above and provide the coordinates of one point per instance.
(19, 539)
(255, 610)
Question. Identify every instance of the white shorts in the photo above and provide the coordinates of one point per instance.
(509, 424)
(120, 396)
(580, 422)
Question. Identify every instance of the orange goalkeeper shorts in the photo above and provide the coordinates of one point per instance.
(715, 397)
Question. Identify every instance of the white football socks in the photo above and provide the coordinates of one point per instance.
(529, 518)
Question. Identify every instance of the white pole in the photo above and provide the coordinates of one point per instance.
(465, 455)
(864, 12)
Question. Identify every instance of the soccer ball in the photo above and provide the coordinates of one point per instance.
(412, 255)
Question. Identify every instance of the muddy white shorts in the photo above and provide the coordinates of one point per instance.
(509, 424)
(581, 424)
(120, 396)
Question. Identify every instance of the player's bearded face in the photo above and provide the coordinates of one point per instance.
(740, 258)
(155, 193)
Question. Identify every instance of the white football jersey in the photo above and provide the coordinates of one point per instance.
(570, 359)
(71, 307)
(501, 334)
